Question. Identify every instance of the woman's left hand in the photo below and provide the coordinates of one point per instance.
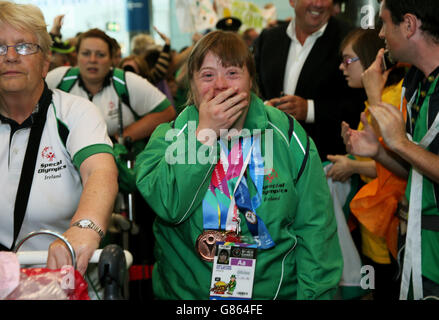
(83, 241)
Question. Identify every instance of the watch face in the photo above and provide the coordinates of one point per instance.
(84, 223)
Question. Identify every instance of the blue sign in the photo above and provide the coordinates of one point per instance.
(138, 15)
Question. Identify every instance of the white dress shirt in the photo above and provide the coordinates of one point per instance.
(297, 56)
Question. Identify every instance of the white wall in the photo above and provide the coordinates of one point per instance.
(180, 40)
(81, 15)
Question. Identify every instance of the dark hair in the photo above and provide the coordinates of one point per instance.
(97, 33)
(425, 10)
(366, 43)
(229, 47)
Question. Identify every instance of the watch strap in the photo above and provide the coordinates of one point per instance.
(89, 224)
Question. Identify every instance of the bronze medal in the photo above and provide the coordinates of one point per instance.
(250, 216)
(206, 242)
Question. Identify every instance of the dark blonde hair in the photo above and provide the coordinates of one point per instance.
(141, 63)
(229, 47)
(29, 18)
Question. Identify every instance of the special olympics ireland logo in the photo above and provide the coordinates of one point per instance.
(48, 154)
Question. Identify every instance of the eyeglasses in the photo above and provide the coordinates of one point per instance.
(348, 61)
(22, 49)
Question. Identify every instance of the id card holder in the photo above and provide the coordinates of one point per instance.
(233, 271)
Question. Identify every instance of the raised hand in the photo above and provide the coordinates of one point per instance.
(361, 143)
(391, 124)
(221, 111)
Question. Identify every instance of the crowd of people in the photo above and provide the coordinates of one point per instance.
(243, 143)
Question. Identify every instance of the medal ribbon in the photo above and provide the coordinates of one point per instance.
(247, 206)
(234, 175)
(254, 223)
(257, 171)
(220, 209)
(217, 200)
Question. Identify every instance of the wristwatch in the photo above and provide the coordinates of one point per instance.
(88, 224)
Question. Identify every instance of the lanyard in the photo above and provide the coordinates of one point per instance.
(413, 255)
(228, 193)
(29, 162)
(218, 197)
(248, 205)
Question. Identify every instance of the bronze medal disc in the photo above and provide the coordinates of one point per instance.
(205, 244)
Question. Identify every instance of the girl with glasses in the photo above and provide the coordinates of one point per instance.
(379, 187)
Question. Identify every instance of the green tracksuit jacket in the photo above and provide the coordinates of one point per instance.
(306, 262)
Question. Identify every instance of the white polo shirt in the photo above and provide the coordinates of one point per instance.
(143, 96)
(56, 186)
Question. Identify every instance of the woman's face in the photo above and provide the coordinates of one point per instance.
(213, 74)
(94, 59)
(352, 70)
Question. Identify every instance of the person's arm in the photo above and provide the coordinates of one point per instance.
(99, 179)
(173, 61)
(160, 70)
(343, 168)
(55, 31)
(178, 59)
(145, 126)
(366, 144)
(374, 79)
(150, 104)
(392, 126)
(426, 162)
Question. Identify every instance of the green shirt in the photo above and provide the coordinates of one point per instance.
(420, 114)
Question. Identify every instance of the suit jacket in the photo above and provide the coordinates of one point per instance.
(320, 80)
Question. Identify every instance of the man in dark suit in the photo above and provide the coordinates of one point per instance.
(298, 72)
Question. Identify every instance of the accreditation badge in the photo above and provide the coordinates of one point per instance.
(233, 271)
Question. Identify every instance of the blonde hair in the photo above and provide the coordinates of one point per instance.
(141, 63)
(29, 18)
(142, 43)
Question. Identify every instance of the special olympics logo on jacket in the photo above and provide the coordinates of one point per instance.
(270, 177)
(48, 154)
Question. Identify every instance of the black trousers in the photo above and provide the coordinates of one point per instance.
(387, 286)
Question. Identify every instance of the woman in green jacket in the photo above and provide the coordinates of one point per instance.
(231, 169)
